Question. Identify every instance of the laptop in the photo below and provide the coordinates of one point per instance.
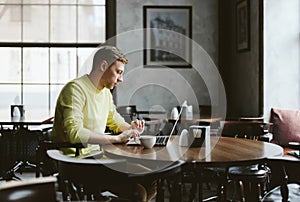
(161, 140)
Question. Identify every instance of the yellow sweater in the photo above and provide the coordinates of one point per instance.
(80, 109)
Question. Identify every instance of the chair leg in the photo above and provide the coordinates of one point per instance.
(260, 191)
(222, 192)
(251, 191)
(160, 190)
(193, 191)
(175, 191)
(243, 188)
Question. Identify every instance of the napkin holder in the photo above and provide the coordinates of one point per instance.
(199, 136)
(197, 142)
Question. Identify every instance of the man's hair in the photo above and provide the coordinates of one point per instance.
(110, 54)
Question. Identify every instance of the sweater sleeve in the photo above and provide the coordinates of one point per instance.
(115, 121)
(72, 101)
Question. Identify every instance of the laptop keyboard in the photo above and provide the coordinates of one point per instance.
(161, 140)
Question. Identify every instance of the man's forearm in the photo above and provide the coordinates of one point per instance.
(97, 138)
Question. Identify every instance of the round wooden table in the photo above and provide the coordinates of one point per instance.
(221, 150)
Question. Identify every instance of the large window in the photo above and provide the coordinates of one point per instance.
(43, 44)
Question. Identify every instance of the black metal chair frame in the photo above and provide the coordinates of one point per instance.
(19, 139)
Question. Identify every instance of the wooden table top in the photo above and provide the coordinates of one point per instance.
(222, 150)
(196, 119)
(29, 119)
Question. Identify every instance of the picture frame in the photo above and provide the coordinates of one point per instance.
(243, 26)
(171, 29)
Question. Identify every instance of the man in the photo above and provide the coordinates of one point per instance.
(85, 105)
(85, 108)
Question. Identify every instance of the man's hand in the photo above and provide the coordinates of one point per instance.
(138, 125)
(125, 135)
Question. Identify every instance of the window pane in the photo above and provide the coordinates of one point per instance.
(10, 23)
(10, 65)
(37, 75)
(90, 2)
(91, 24)
(36, 65)
(63, 64)
(36, 1)
(36, 98)
(10, 1)
(63, 1)
(63, 24)
(54, 93)
(35, 27)
(10, 93)
(85, 60)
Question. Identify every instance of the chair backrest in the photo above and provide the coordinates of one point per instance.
(242, 129)
(154, 127)
(129, 112)
(35, 189)
(252, 119)
(44, 165)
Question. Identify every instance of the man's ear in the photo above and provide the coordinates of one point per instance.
(103, 65)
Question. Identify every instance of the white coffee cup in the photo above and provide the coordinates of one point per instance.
(147, 141)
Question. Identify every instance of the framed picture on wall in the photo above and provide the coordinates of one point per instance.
(168, 31)
(243, 25)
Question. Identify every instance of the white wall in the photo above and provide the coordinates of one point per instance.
(155, 85)
(281, 55)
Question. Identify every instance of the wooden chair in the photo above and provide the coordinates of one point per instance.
(287, 190)
(89, 177)
(154, 126)
(129, 112)
(35, 189)
(252, 178)
(44, 165)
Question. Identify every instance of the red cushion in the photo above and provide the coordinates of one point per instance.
(286, 126)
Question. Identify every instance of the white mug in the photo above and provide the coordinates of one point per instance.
(147, 141)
